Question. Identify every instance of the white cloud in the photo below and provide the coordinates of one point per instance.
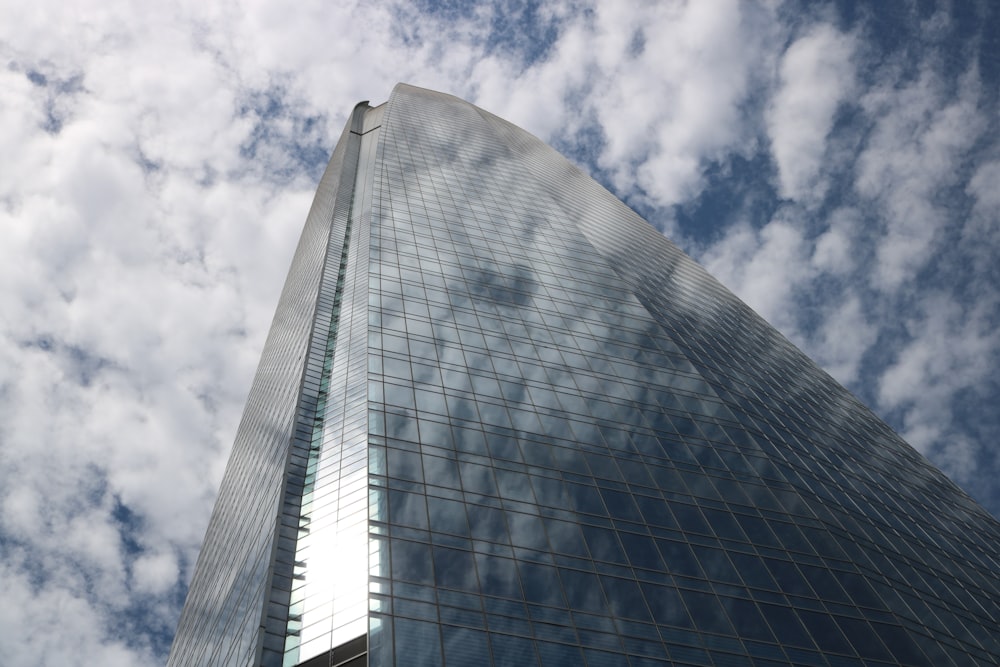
(922, 133)
(765, 268)
(981, 233)
(835, 247)
(951, 349)
(982, 186)
(817, 76)
(679, 104)
(49, 624)
(665, 83)
(135, 305)
(155, 574)
(845, 335)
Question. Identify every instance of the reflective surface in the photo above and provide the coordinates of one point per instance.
(550, 438)
(329, 602)
(586, 451)
(237, 608)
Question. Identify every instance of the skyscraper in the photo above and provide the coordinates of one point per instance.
(500, 418)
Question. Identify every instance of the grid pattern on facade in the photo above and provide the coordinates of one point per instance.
(848, 468)
(321, 496)
(552, 439)
(585, 451)
(329, 599)
(225, 616)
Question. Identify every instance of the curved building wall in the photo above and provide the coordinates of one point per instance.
(236, 612)
(553, 439)
(593, 450)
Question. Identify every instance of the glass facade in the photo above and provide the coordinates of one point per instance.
(501, 420)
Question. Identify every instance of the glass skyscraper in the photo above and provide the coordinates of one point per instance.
(499, 419)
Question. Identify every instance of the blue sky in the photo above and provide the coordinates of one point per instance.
(835, 164)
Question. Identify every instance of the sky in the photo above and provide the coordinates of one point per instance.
(837, 165)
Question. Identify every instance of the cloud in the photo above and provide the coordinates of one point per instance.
(981, 233)
(816, 77)
(155, 574)
(664, 83)
(952, 351)
(142, 257)
(923, 130)
(842, 339)
(893, 278)
(834, 253)
(49, 624)
(678, 104)
(765, 268)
